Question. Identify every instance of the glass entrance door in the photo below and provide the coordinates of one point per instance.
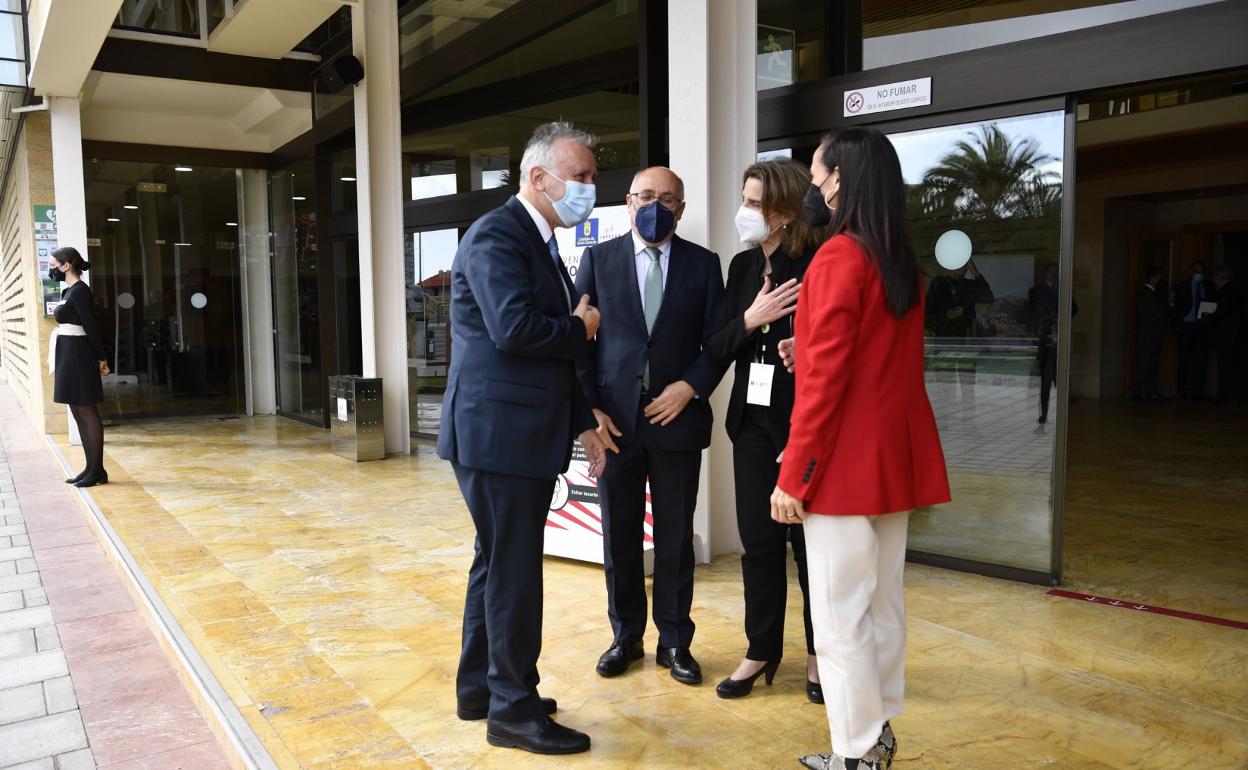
(163, 244)
(985, 203)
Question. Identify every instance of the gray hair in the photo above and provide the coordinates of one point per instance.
(540, 151)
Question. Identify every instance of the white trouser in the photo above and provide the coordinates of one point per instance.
(857, 605)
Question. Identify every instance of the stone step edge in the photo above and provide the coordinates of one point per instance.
(242, 746)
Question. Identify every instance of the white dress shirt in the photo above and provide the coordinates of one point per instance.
(547, 233)
(642, 260)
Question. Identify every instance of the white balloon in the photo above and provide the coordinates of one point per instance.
(199, 300)
(125, 300)
(953, 249)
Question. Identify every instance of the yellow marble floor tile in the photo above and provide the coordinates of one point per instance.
(327, 597)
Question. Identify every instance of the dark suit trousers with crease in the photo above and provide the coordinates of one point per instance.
(673, 495)
(503, 611)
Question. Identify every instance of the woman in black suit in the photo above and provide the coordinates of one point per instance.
(757, 313)
(79, 361)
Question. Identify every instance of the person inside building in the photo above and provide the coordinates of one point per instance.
(863, 448)
(757, 313)
(649, 379)
(517, 332)
(1192, 328)
(78, 360)
(1228, 334)
(952, 298)
(1151, 312)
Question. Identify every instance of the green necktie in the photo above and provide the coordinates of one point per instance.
(654, 299)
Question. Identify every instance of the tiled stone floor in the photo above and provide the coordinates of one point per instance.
(82, 680)
(326, 596)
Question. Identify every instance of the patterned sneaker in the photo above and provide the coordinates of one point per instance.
(886, 747)
(872, 760)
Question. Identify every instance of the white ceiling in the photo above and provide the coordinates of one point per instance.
(180, 113)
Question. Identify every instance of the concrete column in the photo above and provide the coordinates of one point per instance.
(379, 186)
(71, 196)
(713, 136)
(255, 267)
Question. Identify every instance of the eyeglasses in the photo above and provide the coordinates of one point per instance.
(646, 197)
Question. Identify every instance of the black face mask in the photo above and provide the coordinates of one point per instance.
(815, 210)
(55, 274)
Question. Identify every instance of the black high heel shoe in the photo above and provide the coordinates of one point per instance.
(92, 480)
(814, 692)
(76, 479)
(739, 688)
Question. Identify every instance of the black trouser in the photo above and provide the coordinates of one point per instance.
(1147, 358)
(1229, 352)
(764, 562)
(1047, 353)
(673, 495)
(503, 610)
(1193, 359)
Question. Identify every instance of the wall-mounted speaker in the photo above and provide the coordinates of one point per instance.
(341, 72)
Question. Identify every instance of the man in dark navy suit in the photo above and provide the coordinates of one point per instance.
(649, 378)
(512, 409)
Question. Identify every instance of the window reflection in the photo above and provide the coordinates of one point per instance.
(985, 208)
(791, 42)
(296, 293)
(429, 256)
(896, 31)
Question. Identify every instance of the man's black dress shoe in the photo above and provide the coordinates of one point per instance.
(619, 657)
(473, 713)
(542, 736)
(684, 668)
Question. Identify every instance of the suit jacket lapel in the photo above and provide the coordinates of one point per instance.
(626, 276)
(559, 274)
(677, 268)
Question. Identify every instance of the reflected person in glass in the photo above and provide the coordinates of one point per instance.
(757, 313)
(863, 448)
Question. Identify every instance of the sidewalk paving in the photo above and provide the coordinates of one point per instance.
(83, 681)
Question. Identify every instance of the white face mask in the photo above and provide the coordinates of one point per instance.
(751, 225)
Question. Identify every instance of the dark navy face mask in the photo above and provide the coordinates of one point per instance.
(654, 223)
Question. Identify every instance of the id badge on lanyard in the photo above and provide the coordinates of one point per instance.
(758, 393)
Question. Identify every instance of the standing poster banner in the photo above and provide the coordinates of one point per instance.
(574, 525)
(45, 244)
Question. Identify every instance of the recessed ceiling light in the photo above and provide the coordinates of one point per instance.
(113, 219)
(231, 224)
(298, 198)
(348, 179)
(183, 168)
(130, 207)
(181, 244)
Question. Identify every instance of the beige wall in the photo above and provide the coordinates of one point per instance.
(23, 327)
(1098, 255)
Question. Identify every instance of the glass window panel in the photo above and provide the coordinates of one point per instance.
(12, 38)
(429, 256)
(896, 31)
(427, 25)
(485, 153)
(12, 73)
(613, 27)
(165, 275)
(296, 292)
(791, 42)
(342, 181)
(985, 209)
(174, 17)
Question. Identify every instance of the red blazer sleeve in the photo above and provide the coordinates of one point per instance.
(826, 330)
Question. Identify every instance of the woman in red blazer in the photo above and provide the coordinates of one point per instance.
(863, 450)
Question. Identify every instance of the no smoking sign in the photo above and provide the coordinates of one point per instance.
(853, 102)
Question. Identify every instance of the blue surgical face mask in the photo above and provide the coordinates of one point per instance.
(577, 202)
(1198, 277)
(654, 223)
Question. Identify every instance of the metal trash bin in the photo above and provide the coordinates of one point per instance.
(355, 420)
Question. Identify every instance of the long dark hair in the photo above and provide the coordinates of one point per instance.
(872, 210)
(69, 255)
